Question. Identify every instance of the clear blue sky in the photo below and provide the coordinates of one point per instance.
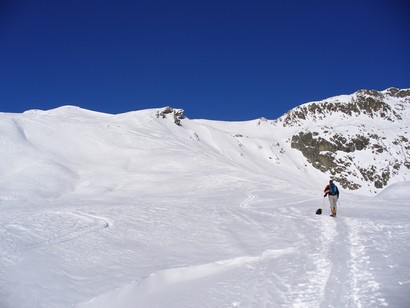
(223, 59)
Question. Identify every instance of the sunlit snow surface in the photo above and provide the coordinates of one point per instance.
(133, 211)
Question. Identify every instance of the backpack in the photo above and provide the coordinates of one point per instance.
(333, 189)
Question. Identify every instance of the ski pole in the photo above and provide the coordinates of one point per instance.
(323, 204)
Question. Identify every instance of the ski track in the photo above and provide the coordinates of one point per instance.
(43, 230)
(323, 262)
(250, 197)
(340, 274)
(345, 267)
(364, 286)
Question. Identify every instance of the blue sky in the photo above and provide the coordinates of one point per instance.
(222, 60)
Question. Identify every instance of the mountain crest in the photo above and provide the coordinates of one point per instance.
(355, 138)
(385, 105)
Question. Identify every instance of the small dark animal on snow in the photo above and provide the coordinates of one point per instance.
(319, 212)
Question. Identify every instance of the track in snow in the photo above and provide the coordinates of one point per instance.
(41, 229)
(322, 266)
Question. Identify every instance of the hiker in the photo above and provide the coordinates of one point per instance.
(333, 192)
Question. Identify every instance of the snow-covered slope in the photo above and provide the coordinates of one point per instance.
(361, 140)
(74, 151)
(132, 210)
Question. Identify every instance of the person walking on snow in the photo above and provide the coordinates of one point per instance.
(333, 192)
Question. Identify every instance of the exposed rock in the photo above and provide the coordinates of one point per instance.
(178, 114)
(398, 92)
(365, 102)
(335, 152)
(165, 111)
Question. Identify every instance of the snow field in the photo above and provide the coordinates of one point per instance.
(132, 211)
(256, 248)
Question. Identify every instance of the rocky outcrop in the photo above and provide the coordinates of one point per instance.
(400, 93)
(177, 114)
(363, 150)
(321, 153)
(370, 103)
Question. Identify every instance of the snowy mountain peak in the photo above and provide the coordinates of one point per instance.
(360, 139)
(389, 105)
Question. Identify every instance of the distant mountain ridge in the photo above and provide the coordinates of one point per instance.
(360, 140)
(363, 137)
(372, 103)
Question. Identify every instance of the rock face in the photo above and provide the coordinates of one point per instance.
(356, 138)
(370, 103)
(177, 114)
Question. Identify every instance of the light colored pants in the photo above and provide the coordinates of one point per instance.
(333, 204)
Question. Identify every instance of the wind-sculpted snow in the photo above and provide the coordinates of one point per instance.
(132, 210)
(143, 293)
